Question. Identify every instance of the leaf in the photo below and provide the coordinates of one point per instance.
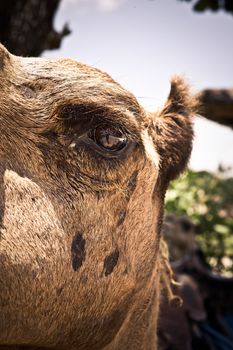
(203, 5)
(207, 199)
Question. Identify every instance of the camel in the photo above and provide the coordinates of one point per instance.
(84, 170)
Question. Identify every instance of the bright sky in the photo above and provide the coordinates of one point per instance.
(142, 43)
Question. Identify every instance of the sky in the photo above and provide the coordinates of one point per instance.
(143, 43)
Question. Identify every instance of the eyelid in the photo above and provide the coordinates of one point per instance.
(78, 118)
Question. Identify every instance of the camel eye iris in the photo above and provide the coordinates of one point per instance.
(109, 137)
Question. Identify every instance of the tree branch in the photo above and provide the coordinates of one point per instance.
(217, 105)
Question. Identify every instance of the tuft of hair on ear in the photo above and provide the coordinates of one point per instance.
(180, 99)
(173, 129)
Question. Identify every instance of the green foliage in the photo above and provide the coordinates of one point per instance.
(213, 5)
(207, 199)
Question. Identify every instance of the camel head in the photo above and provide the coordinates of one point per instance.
(83, 174)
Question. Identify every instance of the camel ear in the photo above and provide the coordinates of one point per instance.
(174, 129)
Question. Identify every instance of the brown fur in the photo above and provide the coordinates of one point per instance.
(80, 263)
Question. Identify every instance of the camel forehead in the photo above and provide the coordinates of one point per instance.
(60, 69)
(48, 85)
(76, 76)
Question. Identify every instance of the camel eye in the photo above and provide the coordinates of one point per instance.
(109, 138)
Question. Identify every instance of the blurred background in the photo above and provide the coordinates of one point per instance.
(142, 44)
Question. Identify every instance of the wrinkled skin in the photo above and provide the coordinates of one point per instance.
(80, 224)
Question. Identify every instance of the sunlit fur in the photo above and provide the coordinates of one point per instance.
(80, 260)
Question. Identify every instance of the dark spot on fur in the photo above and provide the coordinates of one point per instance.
(121, 218)
(98, 195)
(110, 262)
(27, 91)
(59, 291)
(132, 184)
(78, 252)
